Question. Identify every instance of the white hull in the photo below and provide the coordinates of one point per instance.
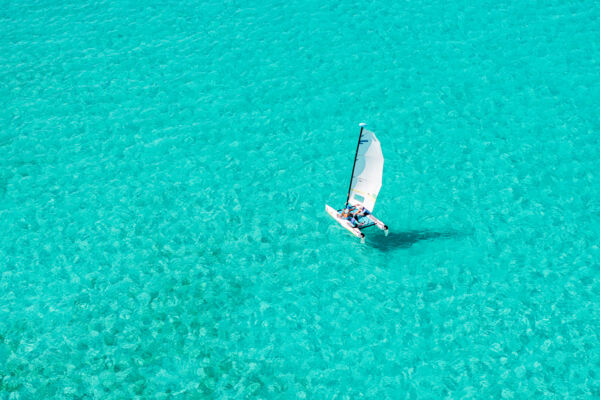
(378, 223)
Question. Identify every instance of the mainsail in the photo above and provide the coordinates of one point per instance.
(367, 171)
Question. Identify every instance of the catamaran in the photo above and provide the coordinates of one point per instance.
(365, 183)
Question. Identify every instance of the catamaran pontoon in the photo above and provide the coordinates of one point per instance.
(365, 183)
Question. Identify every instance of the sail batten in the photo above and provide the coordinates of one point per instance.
(368, 172)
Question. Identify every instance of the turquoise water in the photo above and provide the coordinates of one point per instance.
(164, 168)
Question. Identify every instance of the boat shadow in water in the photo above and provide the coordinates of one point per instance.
(404, 240)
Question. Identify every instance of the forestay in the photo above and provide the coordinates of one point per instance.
(368, 171)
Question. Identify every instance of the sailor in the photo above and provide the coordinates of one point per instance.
(353, 220)
(361, 212)
(348, 215)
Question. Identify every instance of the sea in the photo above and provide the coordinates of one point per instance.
(164, 170)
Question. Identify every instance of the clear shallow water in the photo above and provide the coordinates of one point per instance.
(163, 174)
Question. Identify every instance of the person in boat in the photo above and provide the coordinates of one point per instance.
(361, 211)
(358, 211)
(353, 221)
(348, 214)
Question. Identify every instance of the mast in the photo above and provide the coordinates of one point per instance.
(362, 126)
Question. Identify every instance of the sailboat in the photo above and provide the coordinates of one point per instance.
(365, 184)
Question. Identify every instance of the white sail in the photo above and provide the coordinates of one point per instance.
(368, 171)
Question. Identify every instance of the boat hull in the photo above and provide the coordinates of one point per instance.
(378, 223)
